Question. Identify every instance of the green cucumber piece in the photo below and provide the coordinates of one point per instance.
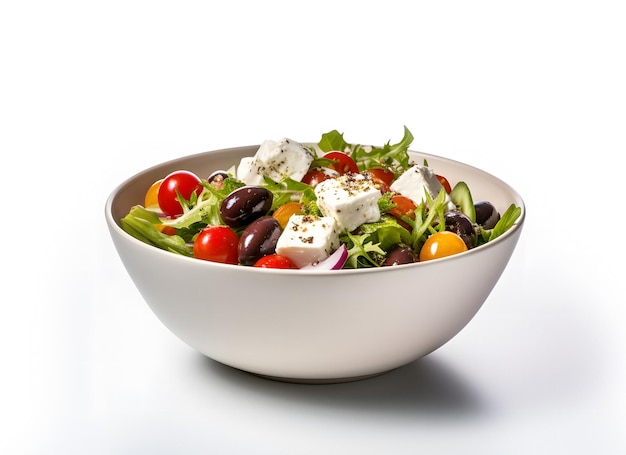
(462, 198)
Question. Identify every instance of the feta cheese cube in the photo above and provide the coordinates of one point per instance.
(352, 199)
(246, 171)
(277, 160)
(415, 181)
(308, 239)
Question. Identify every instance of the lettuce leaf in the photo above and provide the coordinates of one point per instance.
(506, 221)
(140, 223)
(394, 157)
(361, 252)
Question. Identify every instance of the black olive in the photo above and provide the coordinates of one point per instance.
(461, 225)
(400, 255)
(245, 204)
(217, 178)
(258, 240)
(486, 214)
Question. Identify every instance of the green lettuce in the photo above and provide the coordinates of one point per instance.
(141, 224)
(394, 157)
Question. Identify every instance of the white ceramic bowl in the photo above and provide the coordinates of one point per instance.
(313, 326)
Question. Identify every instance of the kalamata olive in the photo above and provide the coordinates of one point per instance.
(400, 255)
(217, 178)
(258, 239)
(460, 224)
(244, 205)
(486, 214)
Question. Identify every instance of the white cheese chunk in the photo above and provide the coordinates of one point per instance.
(247, 171)
(277, 160)
(416, 181)
(308, 239)
(352, 199)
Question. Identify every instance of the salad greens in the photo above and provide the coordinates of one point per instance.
(367, 245)
(140, 223)
(393, 157)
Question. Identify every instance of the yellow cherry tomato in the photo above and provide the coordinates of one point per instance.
(152, 195)
(284, 212)
(152, 202)
(442, 244)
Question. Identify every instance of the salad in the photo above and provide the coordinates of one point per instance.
(327, 206)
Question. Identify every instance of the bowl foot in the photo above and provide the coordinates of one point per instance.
(321, 380)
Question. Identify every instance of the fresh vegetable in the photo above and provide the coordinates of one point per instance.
(341, 162)
(335, 261)
(444, 182)
(178, 189)
(151, 199)
(275, 261)
(462, 197)
(440, 245)
(380, 209)
(284, 212)
(382, 178)
(217, 244)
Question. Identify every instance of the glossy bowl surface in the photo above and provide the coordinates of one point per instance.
(310, 326)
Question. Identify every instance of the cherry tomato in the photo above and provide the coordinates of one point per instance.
(384, 175)
(404, 207)
(442, 244)
(169, 230)
(217, 244)
(284, 212)
(275, 261)
(151, 199)
(382, 178)
(183, 182)
(315, 176)
(444, 182)
(343, 162)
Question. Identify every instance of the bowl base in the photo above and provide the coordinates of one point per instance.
(321, 380)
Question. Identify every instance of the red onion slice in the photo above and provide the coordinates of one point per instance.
(333, 262)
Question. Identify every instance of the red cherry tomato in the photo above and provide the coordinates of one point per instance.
(183, 182)
(343, 163)
(382, 178)
(275, 261)
(315, 176)
(217, 244)
(444, 182)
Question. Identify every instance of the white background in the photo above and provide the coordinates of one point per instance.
(93, 92)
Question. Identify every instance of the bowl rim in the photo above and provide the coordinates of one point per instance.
(115, 227)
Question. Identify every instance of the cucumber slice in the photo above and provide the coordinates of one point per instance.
(462, 198)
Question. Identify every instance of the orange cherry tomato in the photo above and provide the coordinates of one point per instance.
(343, 162)
(442, 244)
(404, 207)
(151, 199)
(169, 230)
(284, 212)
